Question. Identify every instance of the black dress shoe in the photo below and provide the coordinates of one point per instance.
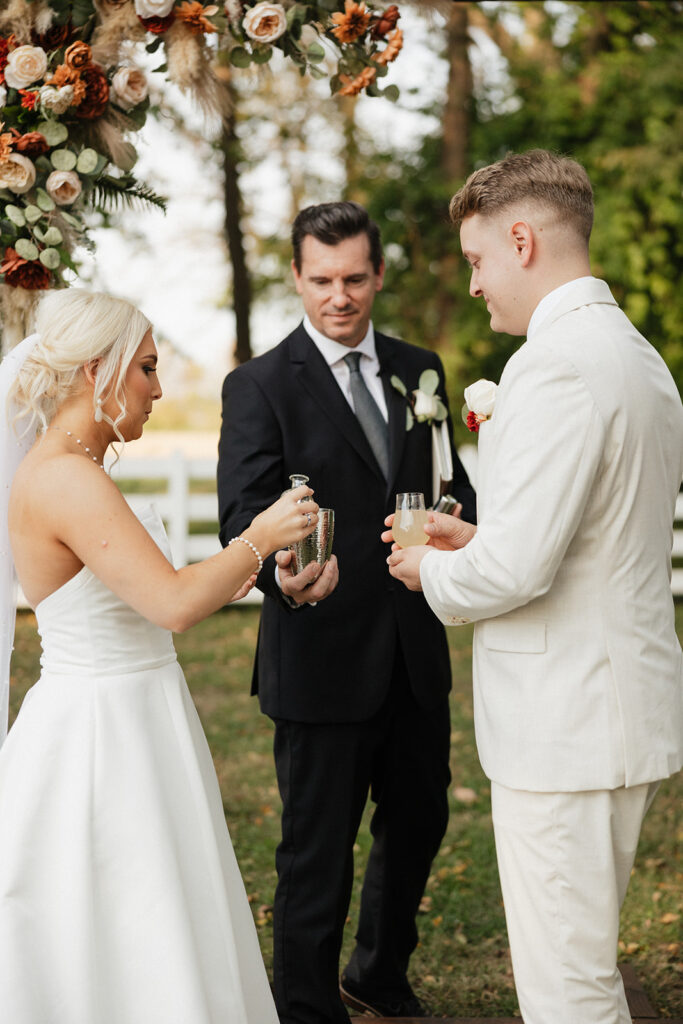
(367, 1004)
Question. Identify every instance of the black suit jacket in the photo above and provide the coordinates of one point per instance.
(284, 413)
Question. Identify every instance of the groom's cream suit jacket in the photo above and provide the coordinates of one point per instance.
(578, 673)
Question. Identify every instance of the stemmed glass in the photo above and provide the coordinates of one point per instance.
(410, 519)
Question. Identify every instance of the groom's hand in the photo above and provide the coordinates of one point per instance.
(310, 585)
(447, 531)
(404, 565)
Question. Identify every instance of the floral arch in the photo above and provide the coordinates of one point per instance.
(72, 98)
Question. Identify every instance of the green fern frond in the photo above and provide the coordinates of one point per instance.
(110, 195)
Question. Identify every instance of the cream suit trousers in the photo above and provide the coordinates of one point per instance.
(565, 860)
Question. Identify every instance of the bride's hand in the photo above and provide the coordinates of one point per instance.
(288, 519)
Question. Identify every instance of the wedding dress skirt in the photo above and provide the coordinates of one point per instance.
(121, 901)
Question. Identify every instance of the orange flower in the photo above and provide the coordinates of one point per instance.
(96, 97)
(385, 22)
(21, 273)
(352, 24)
(352, 86)
(31, 144)
(194, 14)
(28, 99)
(392, 49)
(64, 75)
(78, 55)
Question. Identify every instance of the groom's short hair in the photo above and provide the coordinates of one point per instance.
(539, 176)
(332, 223)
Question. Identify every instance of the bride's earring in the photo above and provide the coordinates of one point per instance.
(98, 411)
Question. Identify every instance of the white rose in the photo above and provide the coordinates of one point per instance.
(153, 8)
(481, 397)
(56, 100)
(130, 87)
(17, 173)
(25, 65)
(426, 406)
(64, 187)
(265, 22)
(3, 95)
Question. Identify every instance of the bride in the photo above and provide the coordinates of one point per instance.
(120, 898)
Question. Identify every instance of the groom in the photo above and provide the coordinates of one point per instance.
(354, 673)
(577, 668)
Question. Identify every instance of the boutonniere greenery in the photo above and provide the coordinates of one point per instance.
(424, 405)
(480, 399)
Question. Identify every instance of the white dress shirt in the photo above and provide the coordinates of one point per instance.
(333, 353)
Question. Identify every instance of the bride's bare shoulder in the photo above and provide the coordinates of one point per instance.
(53, 480)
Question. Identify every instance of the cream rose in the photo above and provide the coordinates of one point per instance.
(426, 406)
(56, 100)
(3, 95)
(64, 187)
(25, 65)
(481, 397)
(17, 173)
(129, 86)
(153, 8)
(265, 22)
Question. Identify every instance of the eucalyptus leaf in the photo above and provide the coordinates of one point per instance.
(50, 258)
(441, 411)
(428, 382)
(71, 220)
(87, 161)
(295, 13)
(128, 156)
(315, 52)
(53, 236)
(26, 249)
(37, 233)
(16, 215)
(262, 54)
(410, 419)
(239, 57)
(33, 214)
(44, 201)
(53, 131)
(397, 383)
(316, 72)
(63, 159)
(391, 93)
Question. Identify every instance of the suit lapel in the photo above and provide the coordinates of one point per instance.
(396, 405)
(317, 379)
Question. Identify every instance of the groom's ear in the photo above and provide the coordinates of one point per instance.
(523, 240)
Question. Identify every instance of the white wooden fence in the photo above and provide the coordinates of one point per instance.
(180, 507)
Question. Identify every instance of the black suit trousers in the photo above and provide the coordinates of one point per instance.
(325, 771)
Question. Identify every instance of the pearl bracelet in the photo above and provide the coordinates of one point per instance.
(249, 545)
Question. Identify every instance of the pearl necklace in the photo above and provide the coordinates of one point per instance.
(69, 433)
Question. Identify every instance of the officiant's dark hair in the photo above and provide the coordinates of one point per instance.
(332, 223)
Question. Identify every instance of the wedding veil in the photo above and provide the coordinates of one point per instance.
(15, 440)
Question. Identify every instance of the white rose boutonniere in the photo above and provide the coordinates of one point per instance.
(480, 399)
(424, 405)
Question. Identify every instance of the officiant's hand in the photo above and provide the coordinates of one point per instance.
(310, 585)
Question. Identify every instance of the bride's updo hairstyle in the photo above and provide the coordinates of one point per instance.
(77, 327)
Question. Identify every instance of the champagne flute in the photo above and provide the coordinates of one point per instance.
(410, 519)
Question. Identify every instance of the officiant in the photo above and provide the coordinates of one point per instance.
(351, 667)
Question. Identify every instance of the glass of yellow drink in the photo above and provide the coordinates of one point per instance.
(410, 519)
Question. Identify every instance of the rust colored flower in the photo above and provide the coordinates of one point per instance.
(78, 55)
(31, 144)
(352, 86)
(4, 50)
(385, 22)
(158, 25)
(54, 38)
(194, 14)
(392, 49)
(96, 96)
(68, 76)
(28, 99)
(21, 273)
(352, 24)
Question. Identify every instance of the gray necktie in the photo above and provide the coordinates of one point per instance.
(368, 413)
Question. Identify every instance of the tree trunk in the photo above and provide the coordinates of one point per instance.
(241, 283)
(456, 118)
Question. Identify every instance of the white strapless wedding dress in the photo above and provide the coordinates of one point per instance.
(121, 901)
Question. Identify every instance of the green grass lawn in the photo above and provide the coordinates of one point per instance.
(462, 965)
